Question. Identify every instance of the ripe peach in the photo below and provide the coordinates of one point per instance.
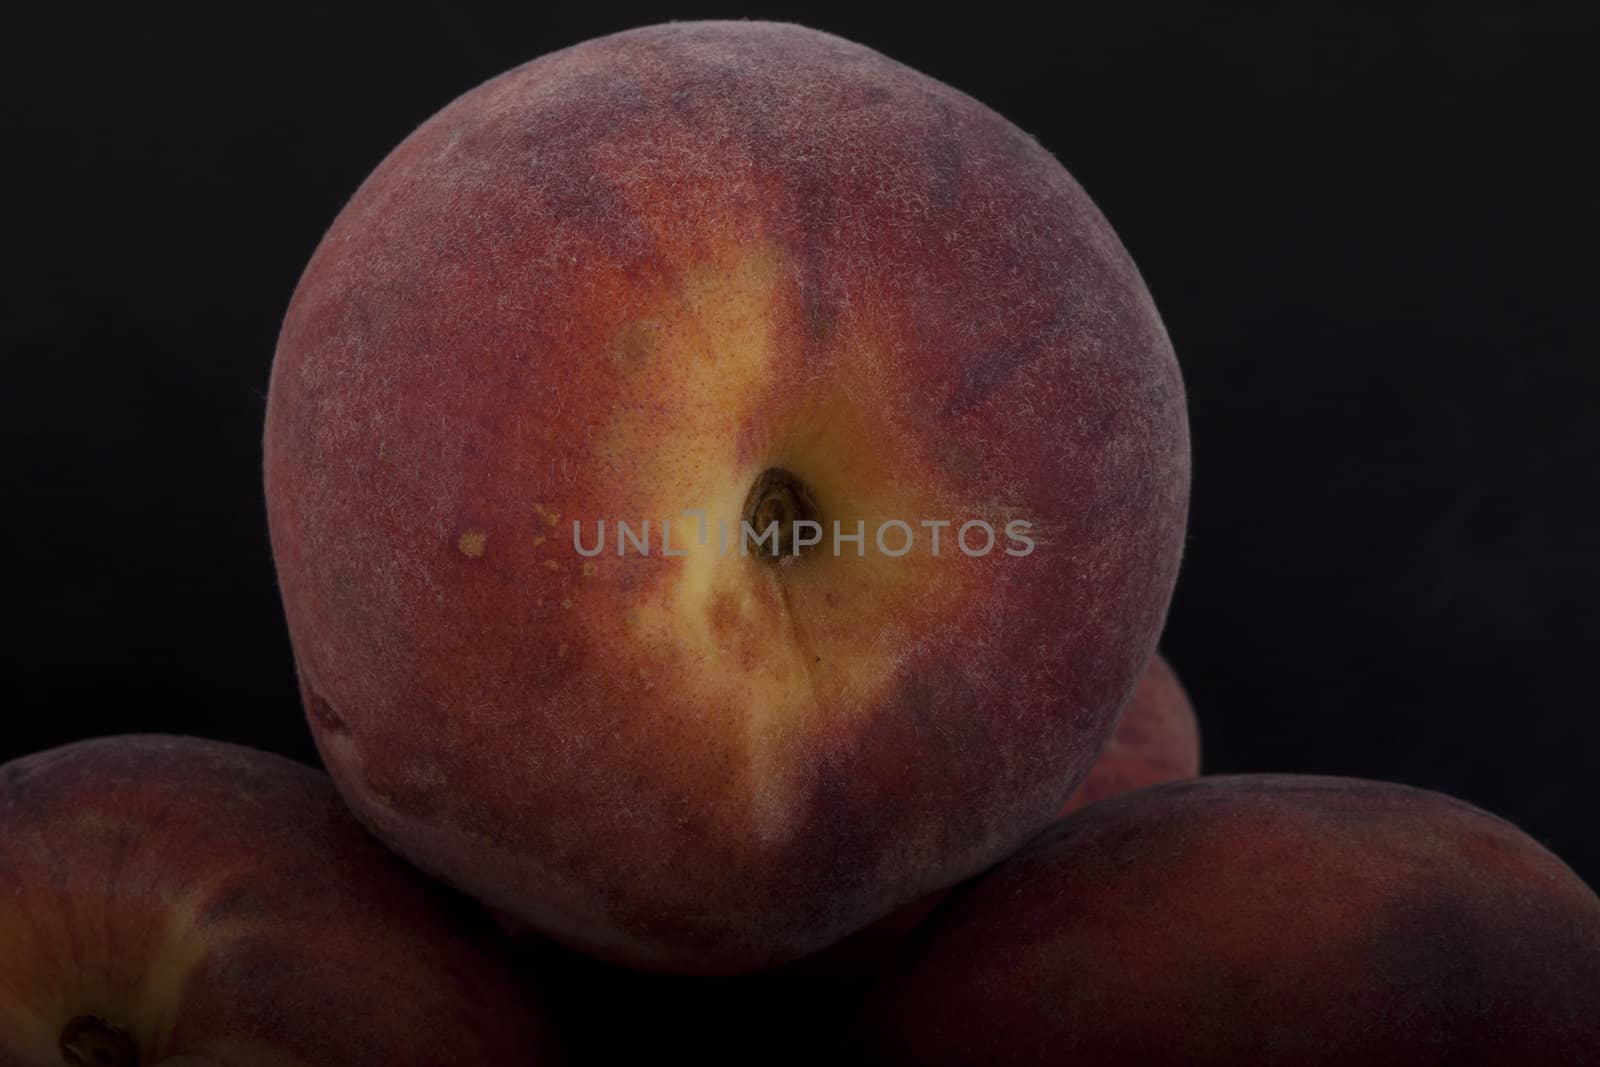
(763, 275)
(175, 900)
(1156, 740)
(1256, 919)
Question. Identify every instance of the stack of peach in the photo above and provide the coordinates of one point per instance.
(727, 489)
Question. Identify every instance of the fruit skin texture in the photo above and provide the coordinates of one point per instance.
(624, 280)
(1156, 740)
(1257, 919)
(220, 905)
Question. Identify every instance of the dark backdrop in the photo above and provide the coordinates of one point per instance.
(1373, 239)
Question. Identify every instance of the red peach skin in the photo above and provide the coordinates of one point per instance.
(1271, 919)
(1156, 740)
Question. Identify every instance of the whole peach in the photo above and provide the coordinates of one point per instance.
(1256, 920)
(696, 276)
(171, 900)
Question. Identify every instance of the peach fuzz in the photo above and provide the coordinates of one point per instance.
(751, 269)
(178, 901)
(1156, 740)
(1256, 919)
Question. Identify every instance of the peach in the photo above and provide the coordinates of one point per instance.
(171, 900)
(590, 323)
(1256, 919)
(1156, 740)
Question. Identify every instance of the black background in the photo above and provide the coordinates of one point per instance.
(1373, 238)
